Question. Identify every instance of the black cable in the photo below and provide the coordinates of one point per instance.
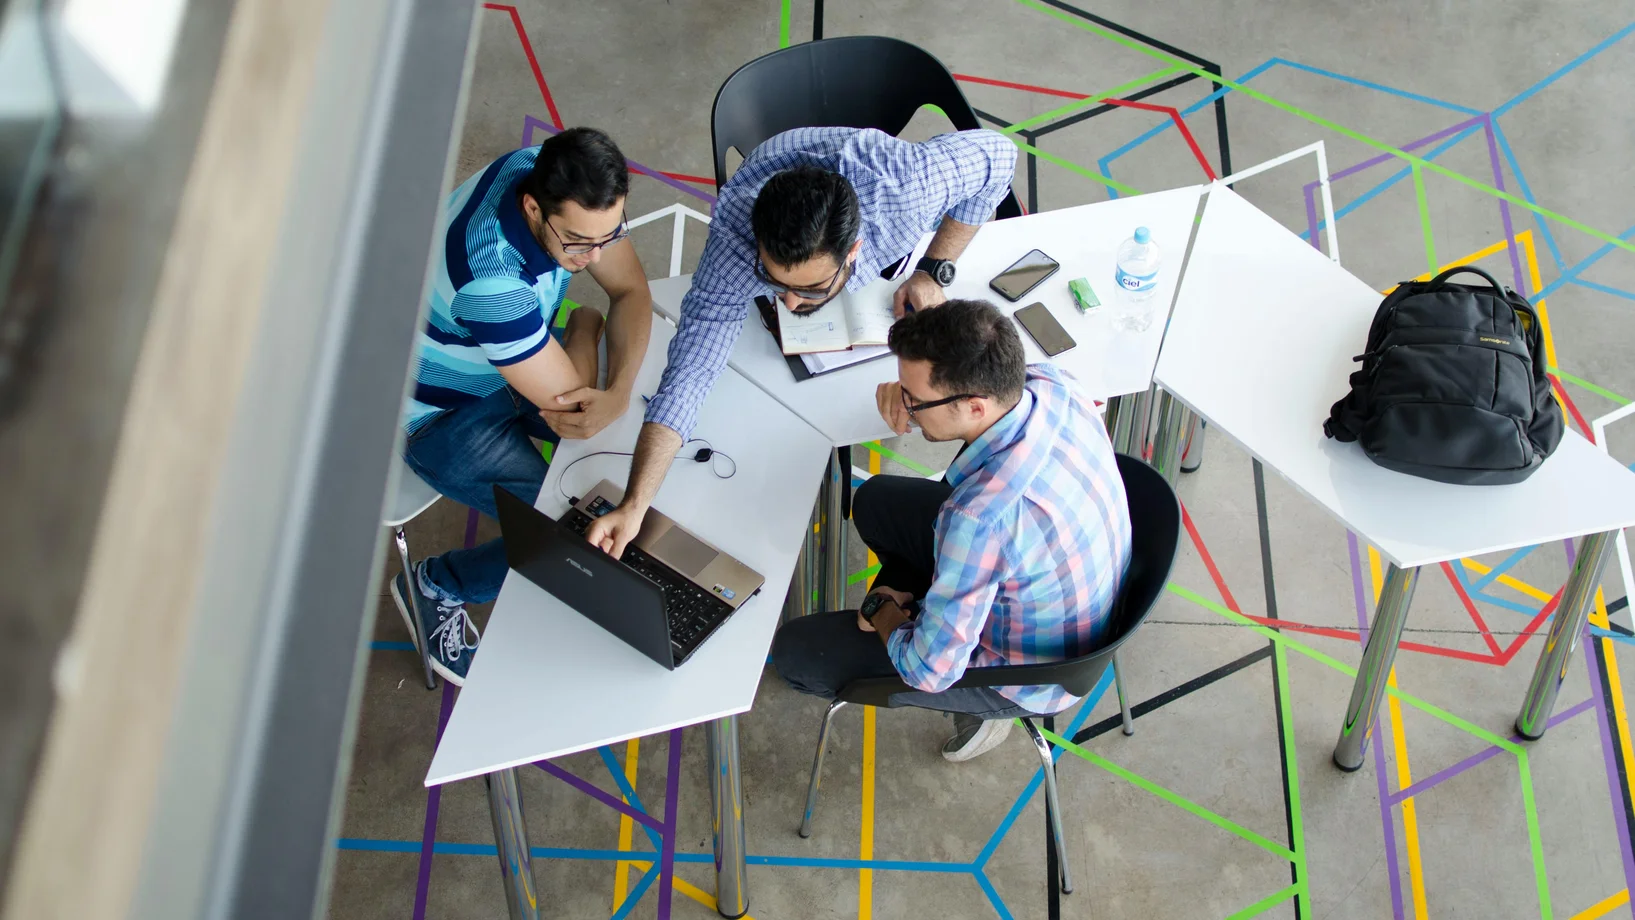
(705, 454)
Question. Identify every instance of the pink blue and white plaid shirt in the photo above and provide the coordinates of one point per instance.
(1031, 547)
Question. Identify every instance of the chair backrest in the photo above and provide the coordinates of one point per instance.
(860, 81)
(1155, 537)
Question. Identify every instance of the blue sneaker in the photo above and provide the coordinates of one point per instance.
(446, 626)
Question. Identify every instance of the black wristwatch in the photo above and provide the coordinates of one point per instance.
(871, 606)
(940, 270)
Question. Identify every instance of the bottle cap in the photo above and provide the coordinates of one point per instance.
(1142, 236)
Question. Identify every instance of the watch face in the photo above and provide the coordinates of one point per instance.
(945, 273)
(872, 605)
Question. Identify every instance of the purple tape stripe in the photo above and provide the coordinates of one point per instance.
(1392, 870)
(1311, 215)
(1504, 206)
(1482, 756)
(434, 798)
(667, 858)
(1615, 786)
(530, 124)
(600, 796)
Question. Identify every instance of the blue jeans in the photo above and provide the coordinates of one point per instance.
(464, 453)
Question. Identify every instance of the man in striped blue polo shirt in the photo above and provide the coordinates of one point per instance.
(494, 371)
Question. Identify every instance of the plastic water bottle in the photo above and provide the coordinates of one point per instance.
(1137, 281)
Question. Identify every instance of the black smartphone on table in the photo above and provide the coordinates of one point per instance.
(1024, 275)
(1042, 327)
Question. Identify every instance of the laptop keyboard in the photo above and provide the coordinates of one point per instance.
(693, 612)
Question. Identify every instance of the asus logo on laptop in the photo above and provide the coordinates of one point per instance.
(581, 568)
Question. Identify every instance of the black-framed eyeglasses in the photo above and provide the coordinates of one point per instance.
(579, 249)
(913, 408)
(816, 297)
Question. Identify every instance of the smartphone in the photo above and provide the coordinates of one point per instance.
(1023, 276)
(1044, 329)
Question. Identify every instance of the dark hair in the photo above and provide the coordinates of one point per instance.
(581, 165)
(970, 345)
(803, 212)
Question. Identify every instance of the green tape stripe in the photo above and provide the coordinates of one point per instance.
(1597, 390)
(568, 306)
(1265, 904)
(1332, 126)
(1073, 167)
(877, 448)
(1297, 826)
(1540, 877)
(547, 450)
(1168, 796)
(1425, 219)
(1344, 668)
(864, 575)
(1085, 103)
(783, 24)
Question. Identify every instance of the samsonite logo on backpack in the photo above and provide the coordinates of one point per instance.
(1453, 385)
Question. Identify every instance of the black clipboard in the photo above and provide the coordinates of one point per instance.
(769, 321)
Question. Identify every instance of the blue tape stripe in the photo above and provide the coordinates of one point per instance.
(379, 646)
(1496, 571)
(1609, 634)
(1567, 68)
(630, 795)
(637, 892)
(813, 862)
(482, 849)
(1380, 87)
(1571, 274)
(1509, 604)
(1527, 193)
(1038, 777)
(993, 896)
(1616, 292)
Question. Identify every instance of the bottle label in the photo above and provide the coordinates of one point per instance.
(1131, 282)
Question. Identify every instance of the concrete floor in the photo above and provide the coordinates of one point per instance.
(1229, 728)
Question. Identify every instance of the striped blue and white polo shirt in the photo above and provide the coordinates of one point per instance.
(493, 298)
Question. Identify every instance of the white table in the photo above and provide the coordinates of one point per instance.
(1261, 345)
(1107, 362)
(1083, 239)
(547, 682)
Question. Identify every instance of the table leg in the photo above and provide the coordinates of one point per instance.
(1129, 419)
(1390, 615)
(1565, 627)
(798, 602)
(1192, 444)
(511, 838)
(833, 591)
(727, 802)
(1166, 443)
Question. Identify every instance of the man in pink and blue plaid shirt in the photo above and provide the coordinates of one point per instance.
(1015, 558)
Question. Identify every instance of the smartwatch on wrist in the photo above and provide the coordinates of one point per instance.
(871, 606)
(940, 270)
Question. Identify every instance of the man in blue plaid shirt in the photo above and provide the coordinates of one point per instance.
(810, 213)
(1014, 558)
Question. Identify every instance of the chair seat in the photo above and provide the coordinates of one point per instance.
(413, 496)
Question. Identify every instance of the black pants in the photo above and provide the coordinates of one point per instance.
(819, 654)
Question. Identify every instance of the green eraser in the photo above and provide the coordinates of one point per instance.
(1083, 297)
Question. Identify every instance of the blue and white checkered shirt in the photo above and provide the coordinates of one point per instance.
(903, 190)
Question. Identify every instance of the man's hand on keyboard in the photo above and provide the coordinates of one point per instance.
(613, 531)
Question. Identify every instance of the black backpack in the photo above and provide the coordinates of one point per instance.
(1453, 385)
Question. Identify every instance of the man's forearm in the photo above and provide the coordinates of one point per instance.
(629, 325)
(656, 447)
(951, 239)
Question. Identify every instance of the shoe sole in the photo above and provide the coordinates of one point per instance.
(979, 744)
(414, 637)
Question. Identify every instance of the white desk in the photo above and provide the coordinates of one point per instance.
(1260, 345)
(548, 682)
(1083, 239)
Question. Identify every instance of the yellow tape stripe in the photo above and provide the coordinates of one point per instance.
(687, 888)
(1405, 774)
(1537, 594)
(865, 846)
(627, 827)
(1603, 907)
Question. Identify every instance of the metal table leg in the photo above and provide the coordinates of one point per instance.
(727, 801)
(1565, 627)
(832, 593)
(1166, 442)
(1390, 615)
(511, 838)
(1129, 421)
(1192, 444)
(798, 602)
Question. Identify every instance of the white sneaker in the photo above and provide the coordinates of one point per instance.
(974, 737)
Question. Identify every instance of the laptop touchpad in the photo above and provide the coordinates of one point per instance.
(682, 552)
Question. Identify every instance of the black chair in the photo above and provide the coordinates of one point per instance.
(1155, 519)
(861, 81)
